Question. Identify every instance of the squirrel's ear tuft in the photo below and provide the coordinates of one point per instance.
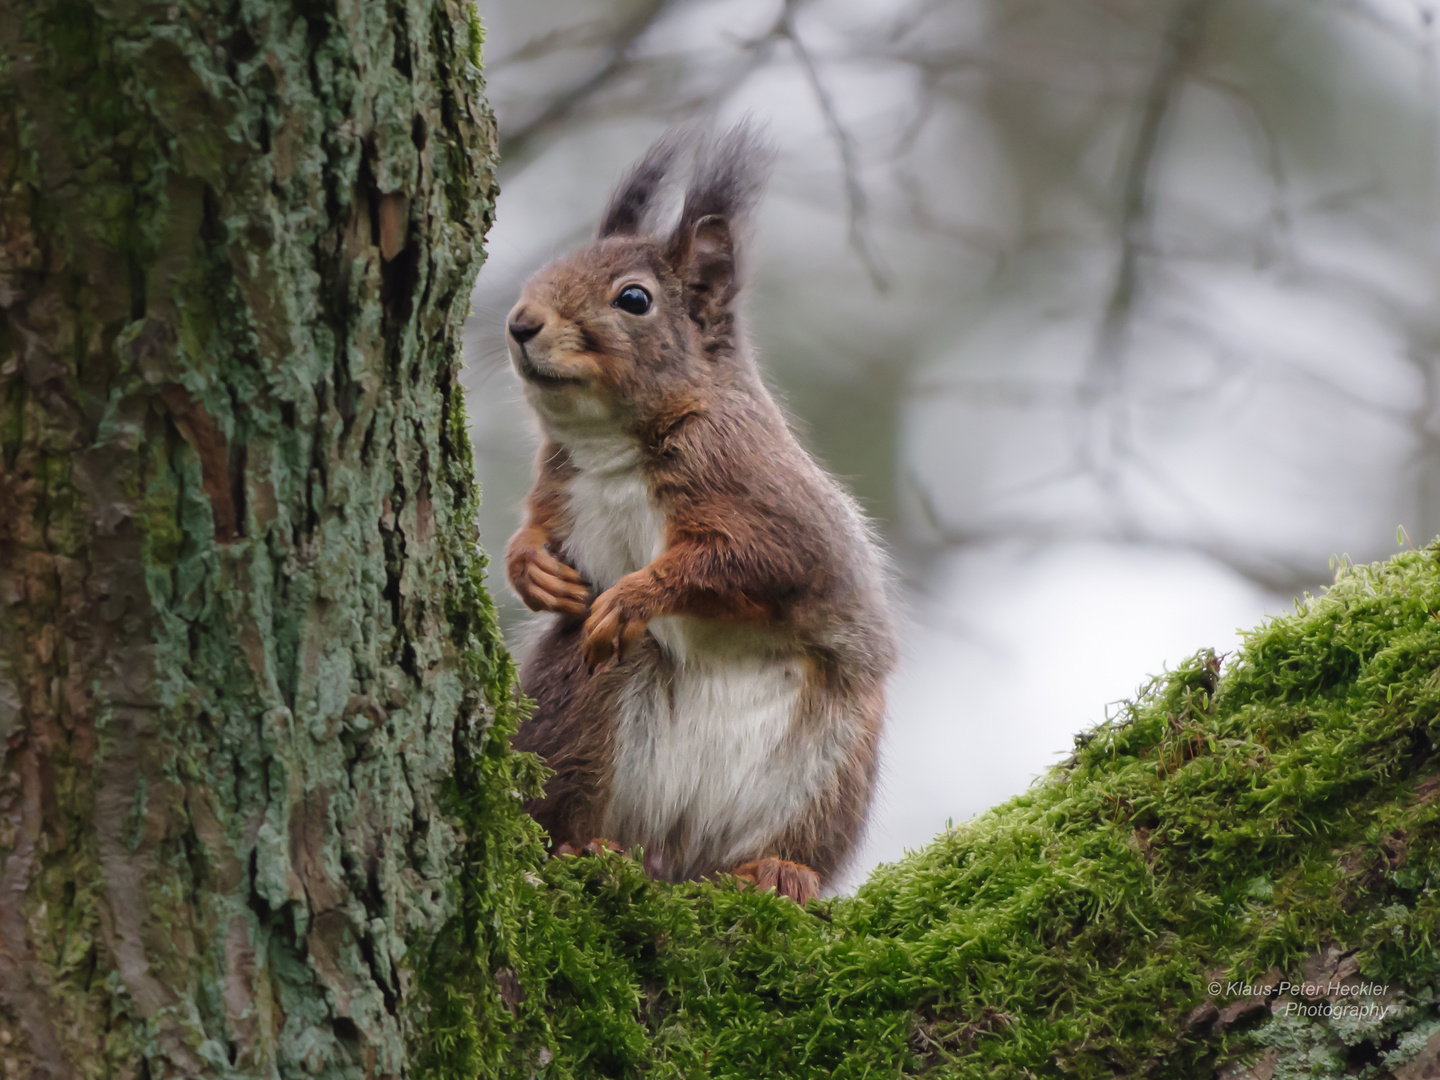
(729, 176)
(631, 201)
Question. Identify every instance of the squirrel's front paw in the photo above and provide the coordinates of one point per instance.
(545, 583)
(614, 622)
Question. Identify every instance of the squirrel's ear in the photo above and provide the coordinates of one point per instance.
(630, 202)
(705, 261)
(729, 175)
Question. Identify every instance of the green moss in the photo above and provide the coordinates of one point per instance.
(476, 30)
(160, 521)
(1232, 821)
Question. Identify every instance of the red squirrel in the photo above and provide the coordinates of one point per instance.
(709, 683)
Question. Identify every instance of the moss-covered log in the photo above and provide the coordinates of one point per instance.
(241, 634)
(1155, 907)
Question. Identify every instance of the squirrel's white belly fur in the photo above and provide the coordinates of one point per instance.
(707, 752)
(701, 749)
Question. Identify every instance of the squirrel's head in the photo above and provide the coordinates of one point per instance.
(622, 330)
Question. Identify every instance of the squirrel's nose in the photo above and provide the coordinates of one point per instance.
(525, 326)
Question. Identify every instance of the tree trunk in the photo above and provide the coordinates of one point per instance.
(239, 600)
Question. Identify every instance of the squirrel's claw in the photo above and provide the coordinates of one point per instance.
(554, 593)
(610, 627)
(787, 878)
(545, 583)
(601, 637)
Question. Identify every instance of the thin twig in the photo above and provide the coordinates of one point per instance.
(1280, 223)
(557, 39)
(1273, 572)
(515, 144)
(1100, 389)
(856, 203)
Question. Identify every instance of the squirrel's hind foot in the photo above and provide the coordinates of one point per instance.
(791, 879)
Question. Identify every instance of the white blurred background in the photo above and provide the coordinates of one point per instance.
(1121, 317)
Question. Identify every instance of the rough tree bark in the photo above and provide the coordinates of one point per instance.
(238, 590)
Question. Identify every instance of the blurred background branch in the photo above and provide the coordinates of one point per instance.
(1101, 389)
(616, 42)
(856, 204)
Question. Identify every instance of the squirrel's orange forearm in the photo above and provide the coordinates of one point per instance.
(545, 528)
(545, 516)
(698, 579)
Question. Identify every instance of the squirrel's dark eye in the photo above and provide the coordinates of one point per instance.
(633, 299)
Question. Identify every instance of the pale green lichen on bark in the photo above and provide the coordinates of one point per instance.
(237, 247)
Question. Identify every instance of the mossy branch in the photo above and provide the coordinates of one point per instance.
(1137, 912)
